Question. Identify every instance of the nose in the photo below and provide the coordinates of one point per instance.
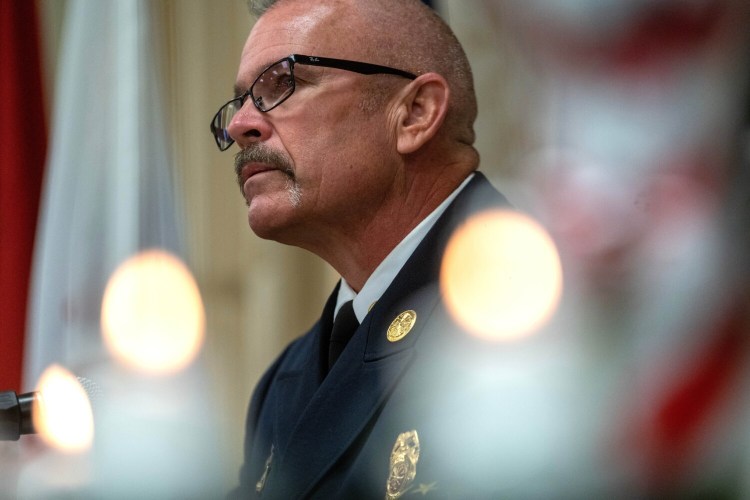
(249, 125)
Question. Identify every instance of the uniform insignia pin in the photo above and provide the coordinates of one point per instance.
(402, 325)
(403, 465)
(262, 481)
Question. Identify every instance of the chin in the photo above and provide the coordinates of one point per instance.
(261, 226)
(270, 223)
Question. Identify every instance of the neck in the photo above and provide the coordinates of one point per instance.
(354, 250)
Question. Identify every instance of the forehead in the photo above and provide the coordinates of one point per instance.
(291, 27)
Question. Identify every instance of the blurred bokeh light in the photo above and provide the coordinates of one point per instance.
(152, 313)
(62, 414)
(501, 275)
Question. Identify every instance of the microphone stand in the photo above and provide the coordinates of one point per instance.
(15, 415)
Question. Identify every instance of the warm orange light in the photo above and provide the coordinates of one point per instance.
(152, 313)
(62, 413)
(501, 275)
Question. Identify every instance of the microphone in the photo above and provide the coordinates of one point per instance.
(16, 410)
(15, 414)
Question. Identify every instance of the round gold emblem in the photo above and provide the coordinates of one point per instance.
(401, 325)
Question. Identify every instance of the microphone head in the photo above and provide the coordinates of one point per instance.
(92, 389)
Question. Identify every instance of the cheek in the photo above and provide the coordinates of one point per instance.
(316, 148)
(337, 149)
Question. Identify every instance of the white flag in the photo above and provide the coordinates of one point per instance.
(109, 186)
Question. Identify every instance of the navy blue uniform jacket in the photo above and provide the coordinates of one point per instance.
(315, 436)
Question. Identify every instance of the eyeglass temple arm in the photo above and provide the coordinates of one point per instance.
(355, 66)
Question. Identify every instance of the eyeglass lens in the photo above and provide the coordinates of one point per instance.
(269, 90)
(221, 123)
(273, 86)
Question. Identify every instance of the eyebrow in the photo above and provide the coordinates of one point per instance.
(238, 91)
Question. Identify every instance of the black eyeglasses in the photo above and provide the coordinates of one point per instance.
(276, 83)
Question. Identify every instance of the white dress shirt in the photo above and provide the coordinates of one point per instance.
(384, 274)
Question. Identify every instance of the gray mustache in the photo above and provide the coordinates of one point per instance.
(260, 153)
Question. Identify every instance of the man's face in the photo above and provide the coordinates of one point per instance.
(318, 162)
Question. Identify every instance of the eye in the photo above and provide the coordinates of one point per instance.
(283, 81)
(277, 79)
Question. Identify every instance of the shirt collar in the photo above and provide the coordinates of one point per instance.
(383, 275)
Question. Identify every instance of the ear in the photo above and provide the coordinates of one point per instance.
(421, 112)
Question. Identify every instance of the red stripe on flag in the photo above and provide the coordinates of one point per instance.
(684, 416)
(23, 141)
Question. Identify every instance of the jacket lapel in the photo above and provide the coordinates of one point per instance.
(298, 385)
(349, 397)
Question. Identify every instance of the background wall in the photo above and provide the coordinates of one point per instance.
(259, 295)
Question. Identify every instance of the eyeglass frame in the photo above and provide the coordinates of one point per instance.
(323, 62)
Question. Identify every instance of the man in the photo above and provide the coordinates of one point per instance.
(355, 125)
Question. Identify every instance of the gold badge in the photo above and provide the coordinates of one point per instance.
(403, 468)
(401, 325)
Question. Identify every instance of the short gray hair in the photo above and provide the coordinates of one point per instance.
(258, 7)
